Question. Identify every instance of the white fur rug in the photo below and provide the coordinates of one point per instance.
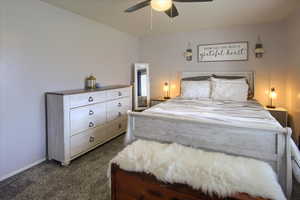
(211, 172)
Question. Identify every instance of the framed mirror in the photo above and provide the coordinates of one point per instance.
(141, 86)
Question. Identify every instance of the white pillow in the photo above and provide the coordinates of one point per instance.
(195, 89)
(233, 90)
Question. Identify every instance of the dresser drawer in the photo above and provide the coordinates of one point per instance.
(87, 117)
(87, 98)
(117, 108)
(117, 126)
(113, 129)
(118, 93)
(87, 139)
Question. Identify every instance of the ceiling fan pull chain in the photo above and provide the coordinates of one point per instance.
(171, 18)
(151, 19)
(171, 14)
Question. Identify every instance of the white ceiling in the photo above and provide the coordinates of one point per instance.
(192, 16)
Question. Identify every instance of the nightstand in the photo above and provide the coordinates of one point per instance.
(156, 101)
(280, 114)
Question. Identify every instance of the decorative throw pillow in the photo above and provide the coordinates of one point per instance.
(250, 92)
(195, 89)
(233, 90)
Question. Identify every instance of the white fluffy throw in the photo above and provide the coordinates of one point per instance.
(210, 172)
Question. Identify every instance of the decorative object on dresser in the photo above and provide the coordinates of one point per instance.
(141, 86)
(156, 101)
(234, 51)
(280, 114)
(98, 85)
(91, 82)
(80, 120)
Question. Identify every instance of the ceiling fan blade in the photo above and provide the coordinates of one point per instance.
(172, 12)
(138, 6)
(188, 1)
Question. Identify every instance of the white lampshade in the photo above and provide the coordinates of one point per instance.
(273, 94)
(161, 5)
(166, 87)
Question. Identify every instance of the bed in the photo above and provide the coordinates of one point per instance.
(217, 126)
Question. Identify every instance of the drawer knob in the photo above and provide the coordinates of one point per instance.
(91, 99)
(120, 94)
(91, 112)
(91, 124)
(119, 104)
(120, 126)
(92, 139)
(119, 114)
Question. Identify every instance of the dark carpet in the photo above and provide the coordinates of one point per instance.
(84, 179)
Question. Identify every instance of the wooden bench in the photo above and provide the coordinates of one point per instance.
(127, 185)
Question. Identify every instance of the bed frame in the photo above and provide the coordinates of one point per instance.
(269, 145)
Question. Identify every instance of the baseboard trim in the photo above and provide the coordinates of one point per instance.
(22, 169)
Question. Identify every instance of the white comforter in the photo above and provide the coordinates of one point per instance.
(245, 114)
(241, 114)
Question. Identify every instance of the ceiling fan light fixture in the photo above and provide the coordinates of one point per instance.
(161, 5)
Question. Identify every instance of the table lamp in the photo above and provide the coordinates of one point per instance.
(166, 89)
(272, 96)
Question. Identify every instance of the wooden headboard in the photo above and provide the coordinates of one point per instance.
(250, 76)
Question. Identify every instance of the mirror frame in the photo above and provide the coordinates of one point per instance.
(138, 66)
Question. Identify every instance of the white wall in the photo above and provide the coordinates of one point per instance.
(293, 80)
(1, 87)
(48, 49)
(165, 55)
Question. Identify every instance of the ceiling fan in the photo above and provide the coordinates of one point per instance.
(166, 6)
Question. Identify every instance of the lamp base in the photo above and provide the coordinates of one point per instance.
(273, 107)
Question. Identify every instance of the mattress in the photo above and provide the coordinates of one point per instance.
(242, 114)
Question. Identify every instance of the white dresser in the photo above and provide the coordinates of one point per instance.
(80, 120)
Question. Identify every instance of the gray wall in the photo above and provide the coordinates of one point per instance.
(1, 88)
(46, 49)
(165, 55)
(293, 80)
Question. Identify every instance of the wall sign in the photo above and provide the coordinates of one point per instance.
(235, 51)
